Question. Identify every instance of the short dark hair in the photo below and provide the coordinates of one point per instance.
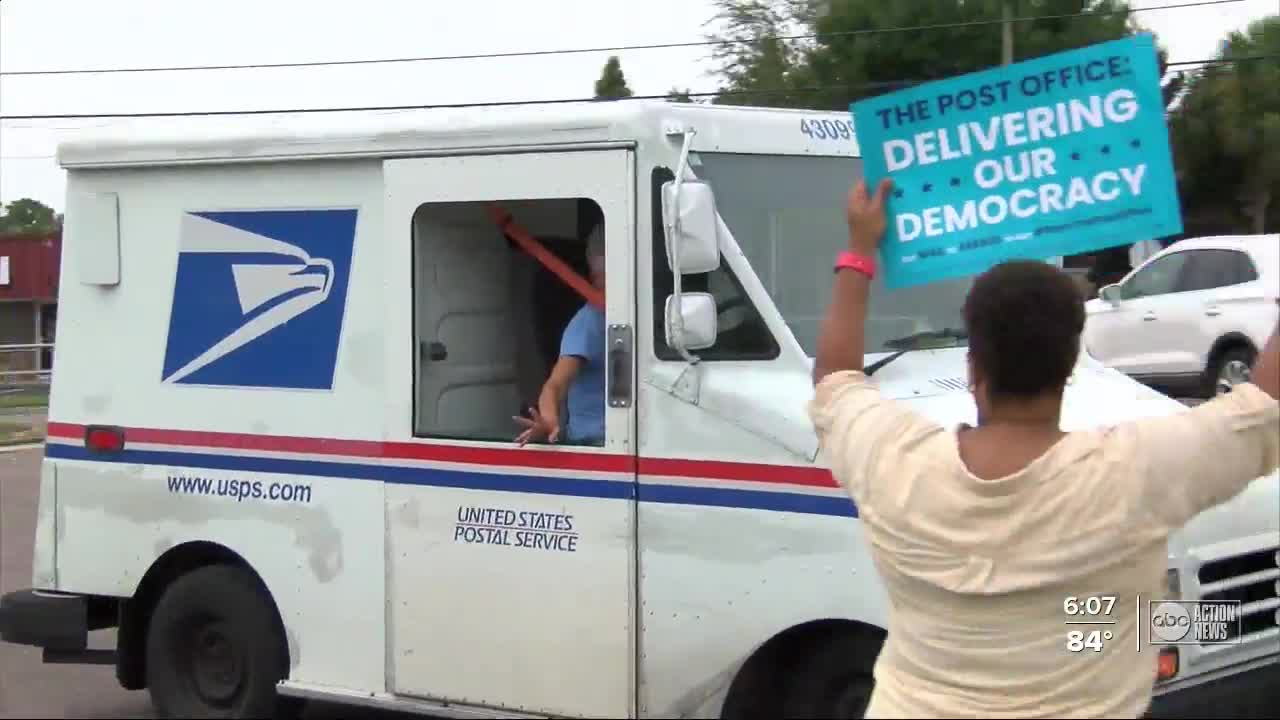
(1024, 319)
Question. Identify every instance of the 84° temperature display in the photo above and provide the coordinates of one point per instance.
(1089, 610)
(1081, 640)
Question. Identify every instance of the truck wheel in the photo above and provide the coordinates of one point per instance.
(214, 648)
(835, 680)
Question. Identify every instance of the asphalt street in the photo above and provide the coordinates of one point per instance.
(28, 688)
(31, 689)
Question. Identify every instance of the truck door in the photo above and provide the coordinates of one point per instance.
(510, 571)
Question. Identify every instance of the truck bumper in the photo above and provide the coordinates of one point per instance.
(1250, 693)
(58, 623)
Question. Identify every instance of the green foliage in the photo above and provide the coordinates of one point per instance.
(1226, 136)
(1225, 131)
(847, 63)
(28, 217)
(756, 63)
(612, 83)
(676, 95)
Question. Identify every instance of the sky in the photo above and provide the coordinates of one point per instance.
(75, 34)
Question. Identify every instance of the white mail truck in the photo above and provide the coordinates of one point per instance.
(280, 457)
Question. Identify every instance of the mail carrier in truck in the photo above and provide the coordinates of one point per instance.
(280, 456)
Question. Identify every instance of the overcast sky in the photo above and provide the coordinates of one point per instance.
(58, 34)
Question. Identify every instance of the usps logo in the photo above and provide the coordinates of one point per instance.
(259, 298)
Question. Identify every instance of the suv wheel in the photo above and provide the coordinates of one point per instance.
(1232, 368)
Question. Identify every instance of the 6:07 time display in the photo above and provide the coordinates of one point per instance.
(1090, 605)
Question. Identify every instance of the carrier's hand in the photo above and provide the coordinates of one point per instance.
(537, 428)
(866, 216)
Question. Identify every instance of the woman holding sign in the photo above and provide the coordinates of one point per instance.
(980, 533)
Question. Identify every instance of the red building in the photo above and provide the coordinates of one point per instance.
(28, 297)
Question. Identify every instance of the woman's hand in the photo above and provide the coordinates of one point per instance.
(866, 216)
(843, 336)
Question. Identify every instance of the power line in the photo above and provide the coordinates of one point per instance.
(523, 103)
(447, 106)
(609, 49)
(1222, 61)
(116, 122)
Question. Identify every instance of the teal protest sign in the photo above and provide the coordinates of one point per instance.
(1060, 155)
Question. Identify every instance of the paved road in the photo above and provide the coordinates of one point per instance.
(31, 689)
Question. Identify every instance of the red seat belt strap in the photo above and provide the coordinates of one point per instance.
(539, 252)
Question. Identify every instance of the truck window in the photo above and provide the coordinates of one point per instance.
(786, 212)
(742, 333)
(488, 317)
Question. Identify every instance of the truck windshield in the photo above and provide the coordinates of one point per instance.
(787, 214)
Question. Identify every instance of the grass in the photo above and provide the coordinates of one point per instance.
(24, 398)
(21, 433)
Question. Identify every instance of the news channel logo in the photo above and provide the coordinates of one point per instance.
(1195, 622)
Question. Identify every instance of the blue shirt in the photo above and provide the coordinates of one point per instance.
(584, 338)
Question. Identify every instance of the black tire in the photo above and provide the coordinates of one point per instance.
(1231, 357)
(834, 681)
(215, 648)
(290, 708)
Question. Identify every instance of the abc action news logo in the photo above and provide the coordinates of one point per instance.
(1195, 622)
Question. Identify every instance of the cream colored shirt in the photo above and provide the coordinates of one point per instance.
(977, 571)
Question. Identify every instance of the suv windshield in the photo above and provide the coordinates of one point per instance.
(787, 214)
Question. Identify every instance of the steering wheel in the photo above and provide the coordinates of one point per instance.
(731, 303)
(732, 313)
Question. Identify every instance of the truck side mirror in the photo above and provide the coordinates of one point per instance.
(698, 312)
(698, 229)
(1110, 293)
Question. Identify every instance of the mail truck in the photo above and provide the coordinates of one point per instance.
(280, 457)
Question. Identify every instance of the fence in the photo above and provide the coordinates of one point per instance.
(26, 364)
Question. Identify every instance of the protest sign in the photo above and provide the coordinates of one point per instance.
(1060, 155)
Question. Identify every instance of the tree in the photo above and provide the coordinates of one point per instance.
(758, 64)
(825, 54)
(1225, 133)
(858, 53)
(28, 216)
(612, 83)
(676, 95)
(1172, 84)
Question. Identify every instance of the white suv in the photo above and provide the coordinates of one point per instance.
(1191, 319)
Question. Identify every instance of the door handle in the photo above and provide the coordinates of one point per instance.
(1149, 317)
(619, 353)
(1213, 311)
(436, 351)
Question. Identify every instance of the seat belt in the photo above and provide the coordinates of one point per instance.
(539, 252)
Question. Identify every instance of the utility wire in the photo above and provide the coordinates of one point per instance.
(521, 103)
(609, 49)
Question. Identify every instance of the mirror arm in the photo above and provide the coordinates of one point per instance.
(672, 232)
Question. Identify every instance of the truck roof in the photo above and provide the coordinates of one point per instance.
(220, 139)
